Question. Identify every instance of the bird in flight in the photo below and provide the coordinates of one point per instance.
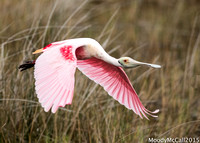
(55, 68)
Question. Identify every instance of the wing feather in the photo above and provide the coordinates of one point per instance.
(45, 91)
(54, 75)
(115, 81)
(47, 99)
(57, 100)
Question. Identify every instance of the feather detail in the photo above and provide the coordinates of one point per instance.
(55, 77)
(115, 82)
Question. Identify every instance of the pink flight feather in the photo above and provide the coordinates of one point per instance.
(115, 82)
(55, 78)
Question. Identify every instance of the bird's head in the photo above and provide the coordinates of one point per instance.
(128, 62)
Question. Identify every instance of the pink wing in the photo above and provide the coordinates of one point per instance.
(54, 74)
(115, 82)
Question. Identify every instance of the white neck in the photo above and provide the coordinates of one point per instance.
(111, 60)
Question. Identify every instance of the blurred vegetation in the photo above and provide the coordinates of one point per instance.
(162, 32)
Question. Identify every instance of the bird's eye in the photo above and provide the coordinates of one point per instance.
(125, 60)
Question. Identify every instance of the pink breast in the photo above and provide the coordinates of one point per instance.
(82, 54)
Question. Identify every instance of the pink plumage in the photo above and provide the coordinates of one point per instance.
(55, 68)
(115, 82)
(54, 76)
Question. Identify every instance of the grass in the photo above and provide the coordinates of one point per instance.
(150, 31)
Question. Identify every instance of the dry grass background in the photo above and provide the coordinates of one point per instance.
(163, 32)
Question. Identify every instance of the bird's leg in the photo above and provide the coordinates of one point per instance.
(38, 51)
(26, 65)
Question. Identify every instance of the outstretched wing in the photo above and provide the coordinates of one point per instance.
(54, 75)
(115, 82)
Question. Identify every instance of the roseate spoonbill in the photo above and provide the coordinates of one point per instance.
(55, 68)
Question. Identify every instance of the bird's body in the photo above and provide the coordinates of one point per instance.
(55, 68)
(93, 49)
